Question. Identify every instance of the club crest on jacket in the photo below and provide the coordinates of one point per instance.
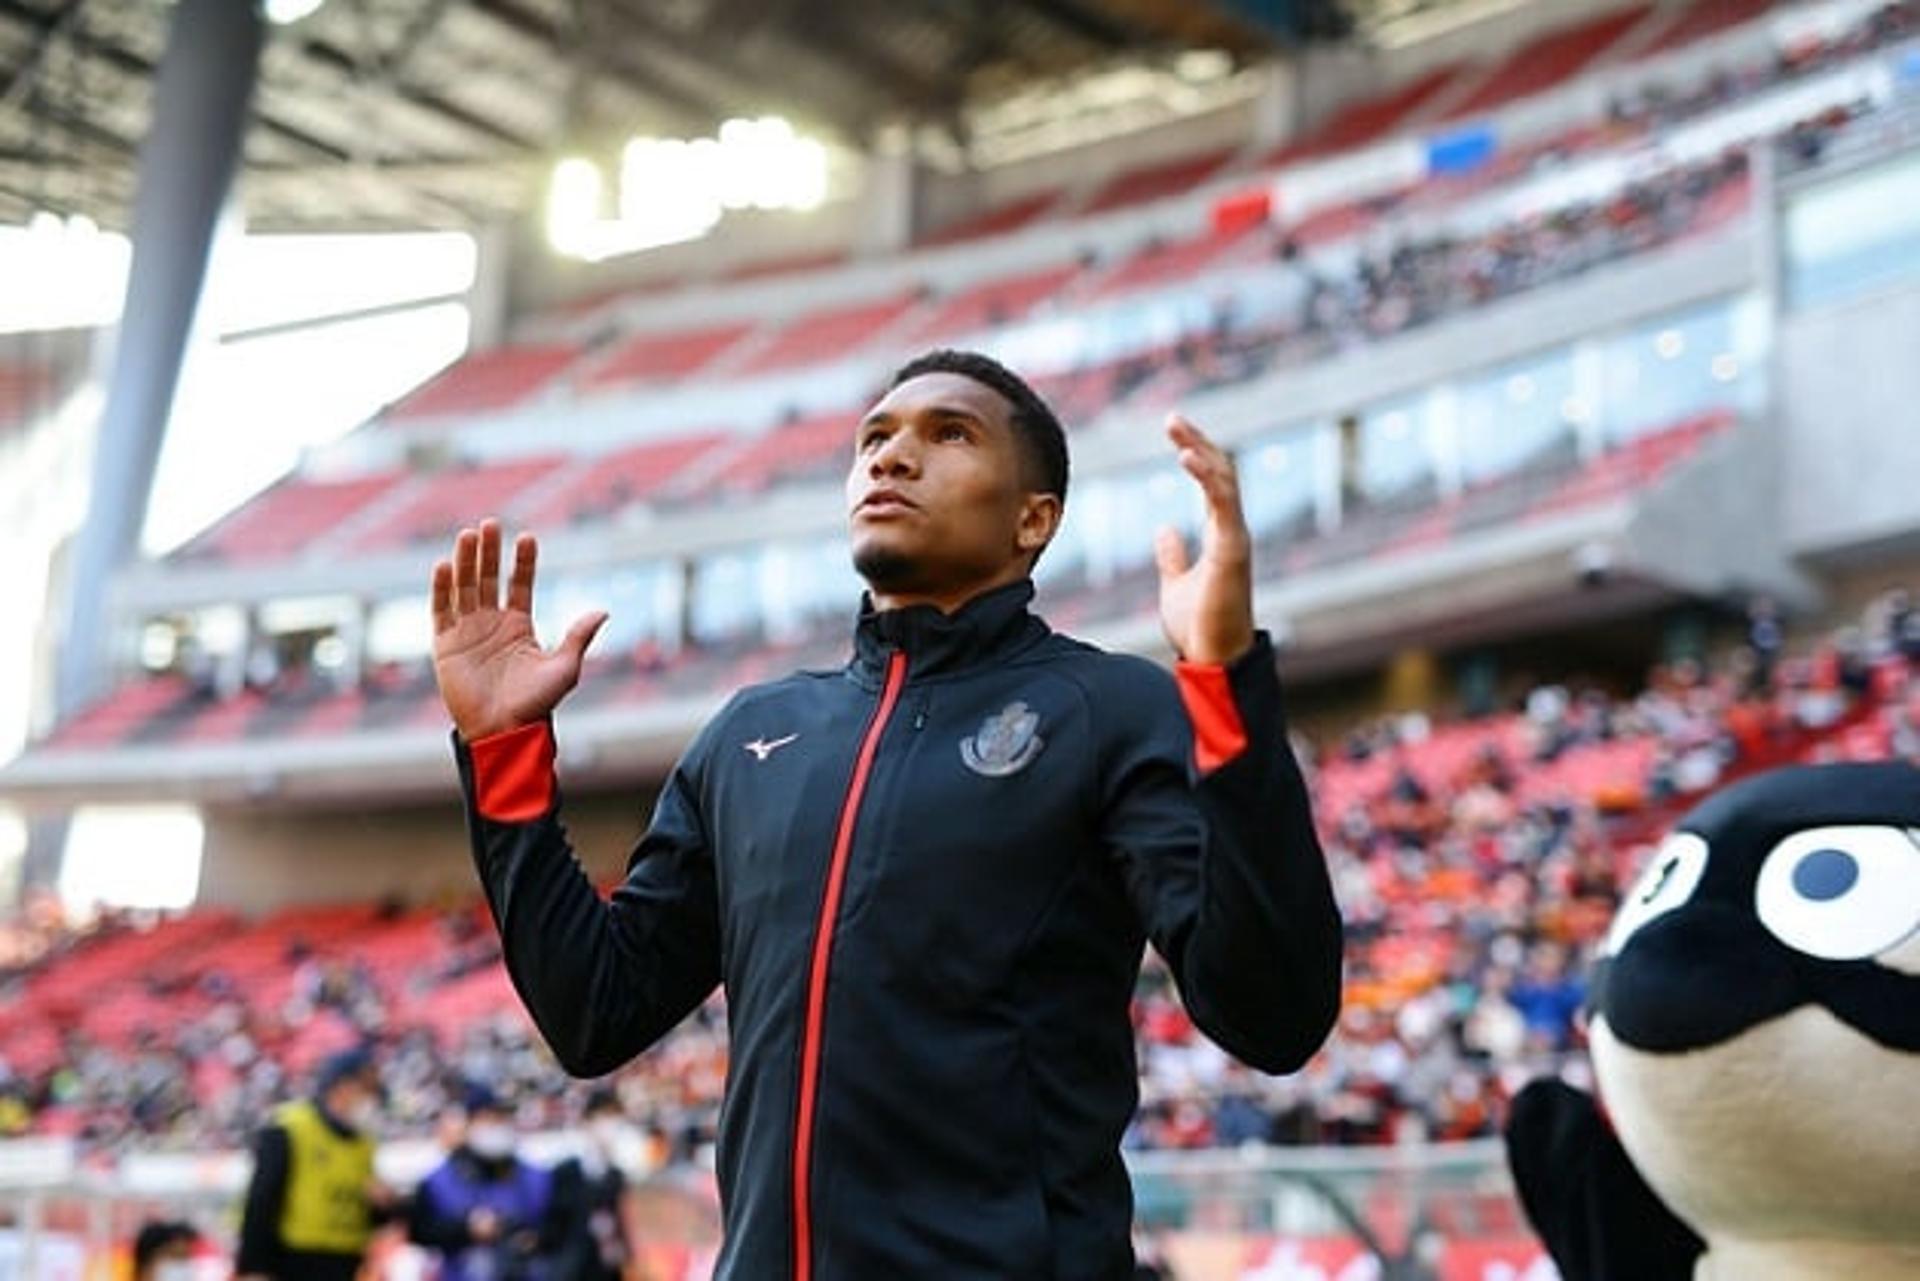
(1005, 743)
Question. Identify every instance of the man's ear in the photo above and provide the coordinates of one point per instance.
(1039, 521)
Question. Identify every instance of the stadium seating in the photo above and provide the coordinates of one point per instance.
(991, 304)
(999, 220)
(1544, 62)
(621, 479)
(437, 505)
(284, 521)
(1157, 182)
(805, 447)
(661, 357)
(1692, 22)
(826, 334)
(23, 391)
(1165, 262)
(1369, 119)
(489, 380)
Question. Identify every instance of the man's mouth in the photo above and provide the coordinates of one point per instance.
(883, 502)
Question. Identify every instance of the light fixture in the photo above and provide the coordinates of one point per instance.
(289, 11)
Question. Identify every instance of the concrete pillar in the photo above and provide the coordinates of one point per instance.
(200, 102)
(490, 300)
(889, 197)
(1277, 110)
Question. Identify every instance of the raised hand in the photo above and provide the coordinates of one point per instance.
(1207, 606)
(492, 672)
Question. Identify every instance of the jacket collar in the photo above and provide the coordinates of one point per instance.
(991, 626)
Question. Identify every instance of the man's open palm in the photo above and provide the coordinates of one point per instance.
(1206, 605)
(493, 674)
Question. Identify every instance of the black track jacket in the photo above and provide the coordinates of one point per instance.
(926, 880)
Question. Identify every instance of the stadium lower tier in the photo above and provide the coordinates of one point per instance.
(1476, 864)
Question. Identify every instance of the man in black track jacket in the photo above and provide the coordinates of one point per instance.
(925, 879)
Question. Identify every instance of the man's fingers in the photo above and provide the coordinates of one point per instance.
(1212, 467)
(1205, 461)
(442, 596)
(581, 634)
(490, 564)
(466, 572)
(1170, 552)
(520, 585)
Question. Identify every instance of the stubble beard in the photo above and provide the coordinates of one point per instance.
(886, 570)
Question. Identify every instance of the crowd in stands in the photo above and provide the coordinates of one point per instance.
(1476, 862)
(1421, 279)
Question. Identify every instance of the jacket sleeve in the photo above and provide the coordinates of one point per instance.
(435, 1224)
(602, 979)
(259, 1250)
(1205, 808)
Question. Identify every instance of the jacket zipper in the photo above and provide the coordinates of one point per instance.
(813, 1027)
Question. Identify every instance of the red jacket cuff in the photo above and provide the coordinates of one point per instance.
(513, 773)
(1218, 733)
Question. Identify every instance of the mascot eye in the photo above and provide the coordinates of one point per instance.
(1667, 881)
(1841, 893)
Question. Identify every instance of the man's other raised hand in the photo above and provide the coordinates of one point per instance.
(493, 674)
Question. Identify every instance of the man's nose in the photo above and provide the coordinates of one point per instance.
(896, 456)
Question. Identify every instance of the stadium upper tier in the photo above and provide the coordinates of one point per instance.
(1433, 384)
(1551, 65)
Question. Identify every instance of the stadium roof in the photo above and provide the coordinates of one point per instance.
(447, 112)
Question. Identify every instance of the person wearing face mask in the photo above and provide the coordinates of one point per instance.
(163, 1251)
(487, 1212)
(593, 1207)
(313, 1202)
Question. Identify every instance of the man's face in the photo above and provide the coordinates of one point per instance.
(939, 495)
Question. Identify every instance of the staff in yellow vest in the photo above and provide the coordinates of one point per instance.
(314, 1201)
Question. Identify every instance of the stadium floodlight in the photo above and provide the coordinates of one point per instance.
(285, 12)
(672, 189)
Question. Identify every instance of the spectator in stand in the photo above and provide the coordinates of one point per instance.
(593, 1206)
(163, 1251)
(488, 1213)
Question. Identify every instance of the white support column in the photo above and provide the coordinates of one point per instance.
(889, 196)
(1327, 463)
(1590, 397)
(1443, 438)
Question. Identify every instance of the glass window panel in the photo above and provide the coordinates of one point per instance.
(1514, 415)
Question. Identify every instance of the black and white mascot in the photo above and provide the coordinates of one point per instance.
(1755, 1030)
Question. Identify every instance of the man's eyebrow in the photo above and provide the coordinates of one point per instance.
(957, 411)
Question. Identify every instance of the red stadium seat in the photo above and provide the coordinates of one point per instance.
(997, 221)
(1547, 60)
(287, 519)
(620, 479)
(823, 335)
(1359, 123)
(997, 302)
(441, 503)
(1692, 22)
(661, 357)
(486, 381)
(1157, 182)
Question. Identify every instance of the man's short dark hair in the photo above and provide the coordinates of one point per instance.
(1040, 433)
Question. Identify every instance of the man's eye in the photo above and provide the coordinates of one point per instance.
(871, 439)
(953, 431)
